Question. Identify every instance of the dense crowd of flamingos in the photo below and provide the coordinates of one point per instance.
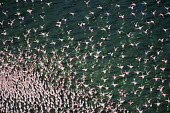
(91, 74)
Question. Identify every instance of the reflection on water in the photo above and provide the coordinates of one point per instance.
(84, 56)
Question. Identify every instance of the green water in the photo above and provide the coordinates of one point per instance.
(83, 44)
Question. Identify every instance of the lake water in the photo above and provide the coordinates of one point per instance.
(122, 46)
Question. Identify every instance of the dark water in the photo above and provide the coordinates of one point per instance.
(101, 40)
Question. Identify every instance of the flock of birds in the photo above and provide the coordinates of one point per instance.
(84, 56)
